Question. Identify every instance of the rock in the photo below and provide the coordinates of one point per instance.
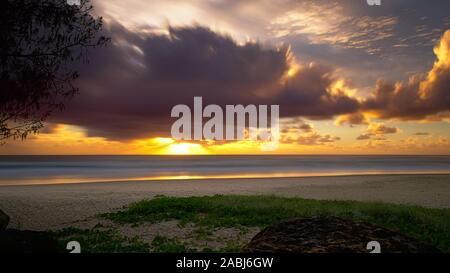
(17, 241)
(331, 235)
(4, 220)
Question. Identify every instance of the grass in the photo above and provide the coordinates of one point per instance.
(428, 225)
(100, 240)
(163, 244)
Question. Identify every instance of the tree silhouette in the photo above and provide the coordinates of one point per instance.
(39, 42)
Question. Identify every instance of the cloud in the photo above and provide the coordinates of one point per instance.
(308, 93)
(310, 139)
(376, 131)
(422, 134)
(381, 129)
(331, 23)
(422, 96)
(438, 144)
(129, 88)
(295, 125)
(306, 127)
(352, 119)
(364, 137)
(298, 131)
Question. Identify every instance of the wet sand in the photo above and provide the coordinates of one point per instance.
(42, 207)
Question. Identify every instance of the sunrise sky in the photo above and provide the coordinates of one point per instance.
(349, 78)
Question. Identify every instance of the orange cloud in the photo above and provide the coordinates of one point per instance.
(419, 98)
(352, 119)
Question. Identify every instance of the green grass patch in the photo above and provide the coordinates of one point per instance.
(428, 225)
(163, 244)
(100, 240)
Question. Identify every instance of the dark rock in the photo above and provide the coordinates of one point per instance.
(17, 241)
(331, 235)
(4, 220)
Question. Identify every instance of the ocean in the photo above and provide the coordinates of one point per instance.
(26, 170)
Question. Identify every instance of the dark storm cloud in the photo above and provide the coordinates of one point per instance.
(130, 87)
(308, 94)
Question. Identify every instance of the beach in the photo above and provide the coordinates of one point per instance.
(44, 207)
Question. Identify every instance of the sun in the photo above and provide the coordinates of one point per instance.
(163, 140)
(184, 149)
(170, 147)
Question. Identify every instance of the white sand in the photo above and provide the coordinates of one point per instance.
(41, 207)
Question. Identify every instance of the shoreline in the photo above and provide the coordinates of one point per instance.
(42, 207)
(224, 178)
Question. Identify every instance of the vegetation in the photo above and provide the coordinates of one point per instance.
(428, 225)
(98, 240)
(205, 215)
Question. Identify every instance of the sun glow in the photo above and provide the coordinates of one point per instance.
(184, 149)
(164, 140)
(169, 146)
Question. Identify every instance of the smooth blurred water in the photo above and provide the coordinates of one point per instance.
(16, 170)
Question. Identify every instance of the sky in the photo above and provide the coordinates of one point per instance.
(349, 78)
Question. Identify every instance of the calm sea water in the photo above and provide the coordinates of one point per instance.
(20, 170)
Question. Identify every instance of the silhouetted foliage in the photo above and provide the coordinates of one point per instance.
(39, 42)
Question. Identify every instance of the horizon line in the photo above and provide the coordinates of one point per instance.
(194, 155)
